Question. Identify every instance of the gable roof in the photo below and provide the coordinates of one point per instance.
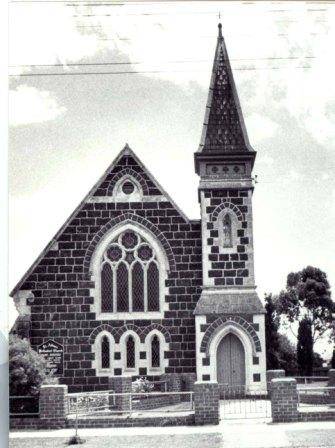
(224, 129)
(126, 151)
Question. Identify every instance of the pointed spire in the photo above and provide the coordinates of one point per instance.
(224, 129)
(220, 31)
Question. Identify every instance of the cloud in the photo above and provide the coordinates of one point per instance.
(260, 127)
(30, 105)
(265, 160)
(47, 34)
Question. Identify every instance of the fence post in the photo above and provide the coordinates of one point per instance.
(121, 385)
(206, 403)
(53, 405)
(270, 375)
(284, 400)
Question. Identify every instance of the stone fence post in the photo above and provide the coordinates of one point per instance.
(53, 404)
(120, 385)
(206, 403)
(270, 375)
(284, 400)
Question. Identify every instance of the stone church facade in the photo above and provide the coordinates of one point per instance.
(129, 286)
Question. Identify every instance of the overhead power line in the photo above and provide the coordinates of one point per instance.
(150, 71)
(90, 64)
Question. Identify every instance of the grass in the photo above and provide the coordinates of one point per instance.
(140, 441)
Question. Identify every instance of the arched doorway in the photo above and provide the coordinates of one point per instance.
(230, 360)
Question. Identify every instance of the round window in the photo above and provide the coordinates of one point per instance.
(128, 187)
(114, 253)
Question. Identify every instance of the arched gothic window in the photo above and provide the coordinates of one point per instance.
(105, 353)
(130, 350)
(130, 275)
(155, 352)
(227, 233)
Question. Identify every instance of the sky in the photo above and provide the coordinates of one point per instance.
(68, 120)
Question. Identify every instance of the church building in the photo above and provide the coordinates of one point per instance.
(129, 286)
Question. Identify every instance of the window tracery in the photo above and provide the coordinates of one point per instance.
(130, 275)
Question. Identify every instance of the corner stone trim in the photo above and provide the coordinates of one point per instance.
(126, 218)
(223, 321)
(117, 332)
(229, 205)
(129, 172)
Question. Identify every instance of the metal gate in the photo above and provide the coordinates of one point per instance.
(240, 402)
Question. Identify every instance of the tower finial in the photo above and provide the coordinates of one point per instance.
(220, 30)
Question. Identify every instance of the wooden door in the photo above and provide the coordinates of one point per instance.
(230, 360)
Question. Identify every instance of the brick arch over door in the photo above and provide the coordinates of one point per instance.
(117, 332)
(220, 323)
(227, 205)
(124, 219)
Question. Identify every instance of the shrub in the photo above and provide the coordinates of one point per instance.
(86, 403)
(26, 367)
(142, 385)
(76, 440)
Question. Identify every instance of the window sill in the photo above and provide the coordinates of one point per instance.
(104, 371)
(131, 316)
(155, 370)
(130, 370)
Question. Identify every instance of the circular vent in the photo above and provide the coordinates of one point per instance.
(128, 187)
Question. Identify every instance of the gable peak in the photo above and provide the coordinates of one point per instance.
(126, 150)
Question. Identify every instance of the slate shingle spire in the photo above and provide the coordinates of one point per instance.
(223, 129)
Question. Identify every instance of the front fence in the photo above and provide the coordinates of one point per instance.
(24, 406)
(81, 403)
(109, 403)
(316, 399)
(312, 380)
(240, 402)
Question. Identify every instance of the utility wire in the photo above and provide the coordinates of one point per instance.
(150, 71)
(129, 2)
(84, 64)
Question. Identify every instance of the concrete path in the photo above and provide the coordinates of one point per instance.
(229, 434)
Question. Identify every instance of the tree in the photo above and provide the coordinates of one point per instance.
(287, 355)
(26, 367)
(318, 361)
(308, 296)
(305, 356)
(271, 334)
(332, 363)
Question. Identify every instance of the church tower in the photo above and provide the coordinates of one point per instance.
(229, 315)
